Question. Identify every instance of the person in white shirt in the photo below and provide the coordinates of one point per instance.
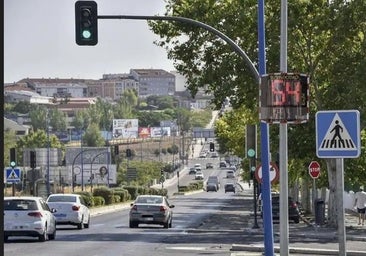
(360, 204)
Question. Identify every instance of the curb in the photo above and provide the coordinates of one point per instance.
(311, 251)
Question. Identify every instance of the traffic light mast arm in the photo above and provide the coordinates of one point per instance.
(193, 22)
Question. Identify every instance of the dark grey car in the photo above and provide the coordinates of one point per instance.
(151, 209)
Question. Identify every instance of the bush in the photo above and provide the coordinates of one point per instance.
(106, 193)
(98, 201)
(123, 194)
(87, 196)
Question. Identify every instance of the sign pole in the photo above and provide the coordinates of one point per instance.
(340, 208)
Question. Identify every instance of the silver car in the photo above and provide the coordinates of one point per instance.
(71, 210)
(28, 216)
(151, 209)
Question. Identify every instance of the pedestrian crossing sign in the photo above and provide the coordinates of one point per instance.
(12, 175)
(338, 134)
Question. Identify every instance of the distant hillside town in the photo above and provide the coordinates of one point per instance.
(82, 93)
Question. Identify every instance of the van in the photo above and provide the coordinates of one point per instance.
(213, 180)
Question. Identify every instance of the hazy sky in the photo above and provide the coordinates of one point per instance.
(39, 40)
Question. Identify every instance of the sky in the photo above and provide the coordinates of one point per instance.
(39, 40)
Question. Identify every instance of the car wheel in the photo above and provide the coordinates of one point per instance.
(86, 225)
(133, 224)
(171, 223)
(43, 236)
(53, 235)
(297, 220)
(81, 224)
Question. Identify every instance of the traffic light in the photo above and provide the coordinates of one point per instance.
(33, 159)
(212, 147)
(251, 140)
(128, 152)
(116, 149)
(86, 22)
(161, 172)
(13, 157)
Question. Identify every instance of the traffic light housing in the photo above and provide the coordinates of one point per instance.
(116, 149)
(13, 157)
(251, 140)
(86, 23)
(128, 152)
(33, 159)
(212, 147)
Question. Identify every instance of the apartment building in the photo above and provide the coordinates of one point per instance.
(154, 82)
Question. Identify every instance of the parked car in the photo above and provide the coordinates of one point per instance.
(28, 216)
(199, 175)
(151, 209)
(71, 210)
(209, 166)
(229, 187)
(293, 208)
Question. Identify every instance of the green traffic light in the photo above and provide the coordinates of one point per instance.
(251, 152)
(86, 34)
(13, 164)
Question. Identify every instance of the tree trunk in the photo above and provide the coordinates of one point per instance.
(332, 180)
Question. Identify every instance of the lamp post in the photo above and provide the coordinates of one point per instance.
(48, 153)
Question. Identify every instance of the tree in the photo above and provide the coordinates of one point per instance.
(92, 136)
(327, 41)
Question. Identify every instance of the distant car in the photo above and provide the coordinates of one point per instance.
(199, 175)
(71, 210)
(28, 216)
(230, 174)
(203, 155)
(214, 155)
(211, 186)
(192, 170)
(209, 166)
(222, 164)
(151, 209)
(212, 180)
(229, 187)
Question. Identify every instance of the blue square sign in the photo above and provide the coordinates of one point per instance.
(338, 134)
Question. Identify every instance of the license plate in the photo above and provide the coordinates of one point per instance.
(149, 219)
(60, 215)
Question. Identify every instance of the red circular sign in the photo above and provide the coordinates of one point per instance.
(314, 169)
(274, 173)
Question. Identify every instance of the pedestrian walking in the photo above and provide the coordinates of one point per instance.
(360, 204)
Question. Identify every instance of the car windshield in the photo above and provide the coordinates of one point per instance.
(20, 205)
(149, 200)
(71, 199)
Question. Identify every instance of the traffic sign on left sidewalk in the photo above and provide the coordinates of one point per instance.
(12, 175)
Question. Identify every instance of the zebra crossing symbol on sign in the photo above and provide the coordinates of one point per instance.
(338, 134)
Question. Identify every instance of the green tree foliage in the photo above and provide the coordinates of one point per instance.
(92, 136)
(326, 40)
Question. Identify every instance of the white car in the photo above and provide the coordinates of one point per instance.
(199, 175)
(28, 216)
(71, 210)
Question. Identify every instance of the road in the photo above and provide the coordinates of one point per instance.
(204, 223)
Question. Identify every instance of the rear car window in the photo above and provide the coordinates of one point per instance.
(20, 205)
(71, 199)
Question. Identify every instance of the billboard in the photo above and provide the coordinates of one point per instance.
(159, 131)
(125, 128)
(144, 132)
